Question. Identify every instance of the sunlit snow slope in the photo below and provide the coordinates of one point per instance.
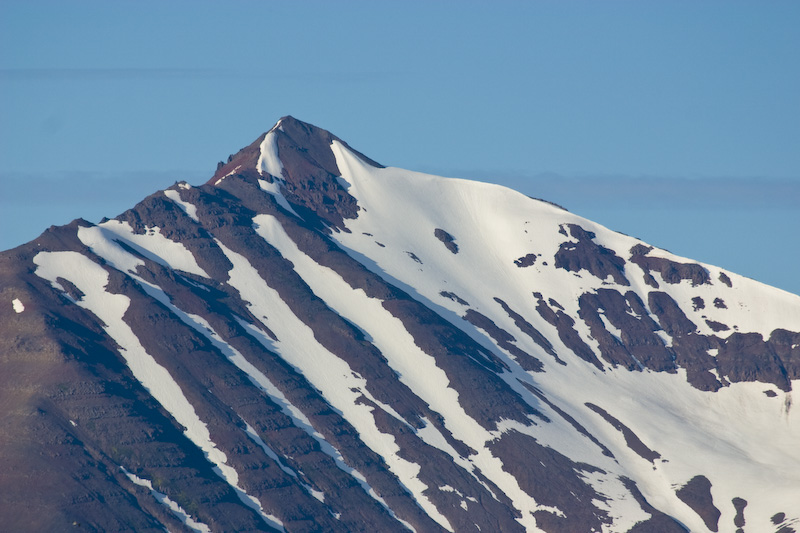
(314, 342)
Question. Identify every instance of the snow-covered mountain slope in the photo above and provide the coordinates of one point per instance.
(313, 342)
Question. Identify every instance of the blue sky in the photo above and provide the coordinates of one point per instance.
(677, 122)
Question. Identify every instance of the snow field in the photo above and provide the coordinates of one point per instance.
(733, 441)
(497, 276)
(488, 222)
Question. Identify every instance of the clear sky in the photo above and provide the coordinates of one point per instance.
(674, 121)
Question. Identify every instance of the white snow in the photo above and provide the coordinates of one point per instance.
(231, 173)
(101, 239)
(270, 163)
(268, 160)
(188, 207)
(319, 495)
(167, 502)
(274, 189)
(16, 303)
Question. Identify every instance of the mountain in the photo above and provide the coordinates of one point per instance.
(313, 342)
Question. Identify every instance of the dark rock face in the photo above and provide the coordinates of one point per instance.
(526, 260)
(717, 326)
(746, 357)
(503, 339)
(310, 175)
(414, 257)
(785, 528)
(697, 495)
(553, 480)
(529, 330)
(638, 346)
(739, 504)
(740, 357)
(311, 185)
(438, 471)
(453, 296)
(690, 348)
(566, 331)
(448, 240)
(633, 442)
(786, 346)
(469, 367)
(671, 272)
(244, 162)
(586, 254)
(86, 416)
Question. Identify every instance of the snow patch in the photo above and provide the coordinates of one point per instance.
(274, 456)
(188, 207)
(274, 189)
(665, 338)
(268, 160)
(103, 240)
(167, 502)
(231, 173)
(16, 303)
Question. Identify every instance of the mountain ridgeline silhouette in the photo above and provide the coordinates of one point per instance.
(311, 341)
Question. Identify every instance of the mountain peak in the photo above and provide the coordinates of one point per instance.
(294, 160)
(283, 141)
